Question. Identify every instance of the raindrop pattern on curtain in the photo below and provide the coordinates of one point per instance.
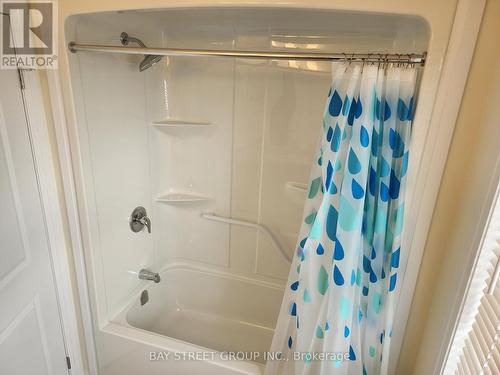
(346, 270)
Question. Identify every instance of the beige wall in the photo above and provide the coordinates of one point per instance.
(466, 189)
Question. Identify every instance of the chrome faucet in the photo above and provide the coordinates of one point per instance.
(149, 275)
(139, 219)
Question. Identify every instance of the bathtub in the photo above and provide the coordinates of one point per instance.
(215, 317)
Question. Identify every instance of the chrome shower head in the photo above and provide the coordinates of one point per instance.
(149, 60)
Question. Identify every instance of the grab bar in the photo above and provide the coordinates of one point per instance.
(243, 223)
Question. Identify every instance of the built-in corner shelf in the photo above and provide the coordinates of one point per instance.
(172, 124)
(296, 192)
(175, 197)
(296, 186)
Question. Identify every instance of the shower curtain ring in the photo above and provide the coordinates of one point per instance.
(380, 60)
(345, 62)
(386, 63)
(370, 59)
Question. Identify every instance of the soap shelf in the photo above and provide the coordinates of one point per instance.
(178, 124)
(296, 192)
(296, 186)
(174, 197)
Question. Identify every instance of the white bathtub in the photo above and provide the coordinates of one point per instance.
(193, 310)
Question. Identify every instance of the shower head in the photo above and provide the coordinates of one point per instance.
(149, 60)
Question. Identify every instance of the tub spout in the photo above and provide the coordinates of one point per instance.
(149, 275)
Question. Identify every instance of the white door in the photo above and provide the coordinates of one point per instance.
(31, 339)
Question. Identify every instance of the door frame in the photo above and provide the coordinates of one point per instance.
(45, 164)
(453, 77)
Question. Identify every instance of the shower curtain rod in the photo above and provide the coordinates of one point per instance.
(364, 57)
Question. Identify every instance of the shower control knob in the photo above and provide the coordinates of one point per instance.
(139, 219)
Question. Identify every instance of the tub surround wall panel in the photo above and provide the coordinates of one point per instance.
(250, 100)
(275, 132)
(192, 159)
(113, 118)
(118, 153)
(294, 110)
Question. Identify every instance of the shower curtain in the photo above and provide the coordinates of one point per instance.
(338, 308)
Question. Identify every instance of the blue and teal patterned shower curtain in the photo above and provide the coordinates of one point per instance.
(338, 309)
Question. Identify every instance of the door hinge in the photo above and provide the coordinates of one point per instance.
(68, 362)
